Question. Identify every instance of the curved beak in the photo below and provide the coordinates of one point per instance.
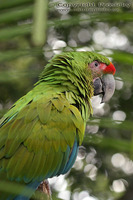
(105, 86)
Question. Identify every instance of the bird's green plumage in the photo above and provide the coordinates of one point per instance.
(36, 132)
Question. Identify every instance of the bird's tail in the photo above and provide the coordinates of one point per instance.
(12, 190)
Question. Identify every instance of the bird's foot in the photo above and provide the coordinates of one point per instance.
(45, 188)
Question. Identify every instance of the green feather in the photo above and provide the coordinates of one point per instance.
(47, 110)
(37, 130)
(38, 160)
(58, 103)
(48, 163)
(63, 144)
(31, 112)
(3, 134)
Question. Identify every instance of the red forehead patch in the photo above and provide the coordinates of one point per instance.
(110, 69)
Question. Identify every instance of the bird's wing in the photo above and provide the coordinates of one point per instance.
(41, 140)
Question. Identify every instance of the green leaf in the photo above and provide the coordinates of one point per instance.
(40, 22)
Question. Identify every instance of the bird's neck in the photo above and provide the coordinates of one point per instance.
(68, 79)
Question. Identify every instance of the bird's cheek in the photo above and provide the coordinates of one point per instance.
(97, 86)
(96, 73)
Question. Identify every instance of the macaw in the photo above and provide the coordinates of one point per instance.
(41, 132)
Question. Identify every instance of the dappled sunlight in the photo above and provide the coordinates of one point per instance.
(91, 171)
(58, 45)
(84, 35)
(119, 116)
(111, 38)
(119, 83)
(118, 160)
(84, 195)
(78, 165)
(123, 163)
(104, 166)
(98, 107)
(65, 195)
(59, 183)
(72, 43)
(92, 129)
(118, 186)
(99, 37)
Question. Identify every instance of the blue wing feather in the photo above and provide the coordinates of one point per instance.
(72, 158)
(33, 185)
(65, 166)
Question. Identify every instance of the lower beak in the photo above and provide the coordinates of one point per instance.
(105, 86)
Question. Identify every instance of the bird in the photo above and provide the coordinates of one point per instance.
(41, 133)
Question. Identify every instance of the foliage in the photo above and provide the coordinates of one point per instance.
(31, 33)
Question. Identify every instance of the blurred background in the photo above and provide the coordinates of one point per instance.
(31, 32)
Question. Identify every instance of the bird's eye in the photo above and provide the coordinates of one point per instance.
(96, 64)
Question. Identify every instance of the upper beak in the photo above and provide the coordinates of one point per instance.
(105, 86)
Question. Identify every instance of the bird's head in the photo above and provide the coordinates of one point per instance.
(77, 70)
(103, 79)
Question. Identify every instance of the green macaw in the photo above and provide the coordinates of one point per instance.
(41, 132)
